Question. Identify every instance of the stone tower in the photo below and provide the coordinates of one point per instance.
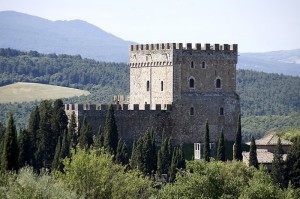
(199, 82)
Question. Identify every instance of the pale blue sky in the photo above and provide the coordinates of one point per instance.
(256, 25)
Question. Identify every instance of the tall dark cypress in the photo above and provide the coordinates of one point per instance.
(293, 163)
(237, 150)
(2, 133)
(55, 162)
(149, 153)
(277, 171)
(85, 136)
(24, 144)
(252, 154)
(174, 165)
(110, 131)
(100, 138)
(221, 147)
(206, 148)
(45, 148)
(33, 127)
(73, 135)
(10, 152)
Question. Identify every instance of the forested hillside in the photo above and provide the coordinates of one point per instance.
(262, 95)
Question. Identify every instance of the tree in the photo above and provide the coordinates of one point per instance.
(293, 163)
(85, 136)
(252, 154)
(55, 162)
(149, 153)
(44, 142)
(59, 121)
(277, 171)
(10, 152)
(122, 153)
(237, 150)
(100, 138)
(206, 148)
(33, 127)
(72, 131)
(110, 131)
(164, 156)
(24, 144)
(221, 147)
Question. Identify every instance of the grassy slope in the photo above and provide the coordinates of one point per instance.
(26, 92)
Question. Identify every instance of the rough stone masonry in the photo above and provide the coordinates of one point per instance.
(174, 88)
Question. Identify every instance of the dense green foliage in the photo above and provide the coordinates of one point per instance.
(293, 163)
(268, 94)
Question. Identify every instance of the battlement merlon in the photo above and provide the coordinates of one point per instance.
(188, 46)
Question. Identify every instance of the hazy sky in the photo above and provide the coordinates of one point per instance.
(256, 25)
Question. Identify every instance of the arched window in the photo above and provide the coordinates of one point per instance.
(162, 86)
(192, 111)
(192, 83)
(218, 83)
(221, 111)
(148, 85)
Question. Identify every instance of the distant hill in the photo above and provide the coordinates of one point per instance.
(26, 32)
(286, 62)
(27, 92)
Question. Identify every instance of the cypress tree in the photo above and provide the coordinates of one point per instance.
(59, 121)
(149, 153)
(85, 136)
(221, 147)
(237, 150)
(277, 171)
(159, 163)
(293, 163)
(65, 146)
(206, 148)
(252, 154)
(10, 152)
(181, 158)
(124, 156)
(100, 138)
(118, 157)
(174, 165)
(33, 127)
(24, 145)
(45, 148)
(55, 162)
(73, 135)
(137, 156)
(164, 162)
(2, 133)
(110, 131)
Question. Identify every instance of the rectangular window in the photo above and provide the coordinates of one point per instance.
(148, 85)
(162, 86)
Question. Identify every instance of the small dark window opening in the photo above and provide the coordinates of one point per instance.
(192, 64)
(203, 65)
(161, 85)
(192, 111)
(221, 111)
(148, 85)
(218, 83)
(192, 83)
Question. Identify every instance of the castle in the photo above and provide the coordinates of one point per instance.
(174, 88)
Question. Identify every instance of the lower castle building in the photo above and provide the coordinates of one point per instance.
(174, 88)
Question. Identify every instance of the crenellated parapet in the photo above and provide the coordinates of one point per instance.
(187, 46)
(163, 54)
(117, 107)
